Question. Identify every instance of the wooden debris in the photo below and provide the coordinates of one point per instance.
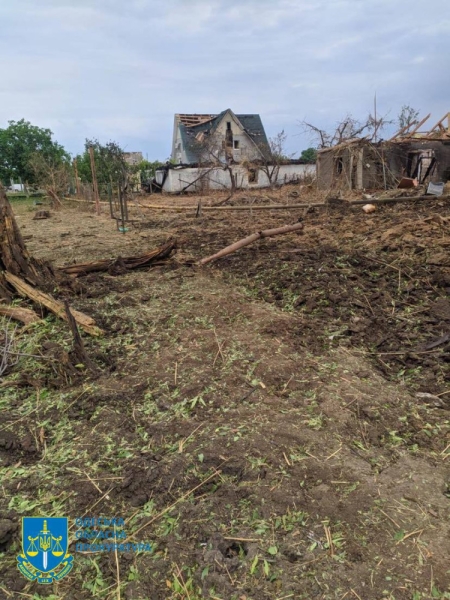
(127, 263)
(24, 315)
(431, 399)
(78, 347)
(304, 205)
(55, 306)
(41, 214)
(435, 343)
(249, 240)
(14, 256)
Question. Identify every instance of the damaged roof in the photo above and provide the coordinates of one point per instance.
(191, 125)
(192, 120)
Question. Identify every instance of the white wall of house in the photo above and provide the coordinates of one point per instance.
(219, 179)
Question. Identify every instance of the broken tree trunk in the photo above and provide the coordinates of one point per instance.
(55, 306)
(249, 240)
(130, 262)
(57, 204)
(14, 256)
(24, 315)
(78, 347)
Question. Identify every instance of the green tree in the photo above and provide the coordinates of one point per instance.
(407, 116)
(18, 143)
(147, 169)
(310, 155)
(110, 163)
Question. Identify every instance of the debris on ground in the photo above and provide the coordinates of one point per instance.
(271, 425)
(123, 264)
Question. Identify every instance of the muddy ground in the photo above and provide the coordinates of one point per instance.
(275, 425)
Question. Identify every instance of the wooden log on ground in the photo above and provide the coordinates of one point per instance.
(304, 205)
(55, 306)
(24, 315)
(237, 207)
(396, 200)
(41, 214)
(249, 240)
(129, 263)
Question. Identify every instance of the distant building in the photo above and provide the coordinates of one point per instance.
(225, 151)
(133, 158)
(218, 138)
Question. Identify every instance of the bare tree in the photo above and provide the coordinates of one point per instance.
(52, 175)
(273, 155)
(213, 152)
(345, 129)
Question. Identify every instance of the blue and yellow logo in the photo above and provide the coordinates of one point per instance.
(45, 542)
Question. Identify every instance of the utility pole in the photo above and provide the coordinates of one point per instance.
(375, 118)
(94, 181)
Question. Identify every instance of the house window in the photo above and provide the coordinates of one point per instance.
(253, 175)
(236, 144)
(229, 125)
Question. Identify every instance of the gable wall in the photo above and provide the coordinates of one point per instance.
(247, 149)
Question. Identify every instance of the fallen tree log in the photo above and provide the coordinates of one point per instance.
(292, 206)
(55, 306)
(236, 207)
(396, 200)
(24, 315)
(249, 240)
(128, 263)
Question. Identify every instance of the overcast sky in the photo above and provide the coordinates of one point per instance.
(120, 69)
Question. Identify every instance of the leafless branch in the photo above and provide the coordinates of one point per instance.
(347, 128)
(52, 175)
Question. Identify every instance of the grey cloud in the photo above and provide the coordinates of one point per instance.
(121, 69)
